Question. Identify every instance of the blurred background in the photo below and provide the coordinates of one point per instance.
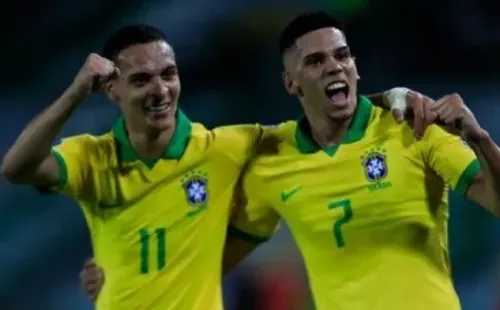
(230, 70)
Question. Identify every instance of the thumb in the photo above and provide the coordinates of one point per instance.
(398, 115)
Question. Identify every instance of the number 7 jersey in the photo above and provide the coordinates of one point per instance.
(369, 216)
(158, 227)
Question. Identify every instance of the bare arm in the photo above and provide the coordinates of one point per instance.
(28, 161)
(455, 117)
(485, 189)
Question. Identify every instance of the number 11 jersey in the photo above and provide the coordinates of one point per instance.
(158, 227)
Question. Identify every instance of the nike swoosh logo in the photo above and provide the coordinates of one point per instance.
(285, 196)
(196, 211)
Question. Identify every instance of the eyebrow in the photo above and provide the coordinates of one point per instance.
(167, 67)
(321, 53)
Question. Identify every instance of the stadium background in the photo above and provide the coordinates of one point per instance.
(230, 72)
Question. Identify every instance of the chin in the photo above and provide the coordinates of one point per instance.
(342, 114)
(161, 124)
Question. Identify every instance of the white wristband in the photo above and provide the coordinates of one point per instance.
(396, 98)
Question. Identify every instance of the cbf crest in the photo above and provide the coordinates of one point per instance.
(375, 168)
(195, 185)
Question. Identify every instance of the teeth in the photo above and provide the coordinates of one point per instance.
(157, 107)
(336, 86)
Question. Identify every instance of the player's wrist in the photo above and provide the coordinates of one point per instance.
(395, 98)
(479, 139)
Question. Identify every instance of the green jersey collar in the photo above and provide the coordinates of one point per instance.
(306, 144)
(174, 150)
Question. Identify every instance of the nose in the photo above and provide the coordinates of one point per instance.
(332, 66)
(160, 88)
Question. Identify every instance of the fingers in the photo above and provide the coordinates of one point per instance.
(101, 70)
(398, 115)
(413, 106)
(91, 279)
(100, 66)
(397, 100)
(449, 110)
(429, 117)
(416, 102)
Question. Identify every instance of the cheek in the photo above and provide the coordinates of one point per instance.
(310, 80)
(175, 87)
(134, 98)
(305, 77)
(350, 68)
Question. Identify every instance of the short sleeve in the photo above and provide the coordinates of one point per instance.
(253, 218)
(238, 142)
(451, 158)
(74, 157)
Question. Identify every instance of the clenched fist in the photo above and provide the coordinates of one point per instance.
(95, 71)
(456, 118)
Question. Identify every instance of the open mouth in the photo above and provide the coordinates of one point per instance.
(158, 110)
(157, 107)
(337, 92)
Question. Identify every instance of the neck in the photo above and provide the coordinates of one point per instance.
(327, 131)
(150, 144)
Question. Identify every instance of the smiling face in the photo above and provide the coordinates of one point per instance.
(148, 87)
(321, 72)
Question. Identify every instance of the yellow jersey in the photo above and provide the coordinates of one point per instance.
(158, 227)
(369, 215)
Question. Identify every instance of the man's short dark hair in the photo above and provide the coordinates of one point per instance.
(128, 36)
(303, 24)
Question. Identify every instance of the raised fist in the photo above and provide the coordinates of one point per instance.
(95, 71)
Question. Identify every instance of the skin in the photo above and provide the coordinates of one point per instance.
(317, 59)
(141, 75)
(323, 56)
(144, 74)
(148, 76)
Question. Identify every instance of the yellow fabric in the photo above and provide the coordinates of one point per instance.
(369, 216)
(158, 249)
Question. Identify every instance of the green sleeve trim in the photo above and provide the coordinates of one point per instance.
(467, 177)
(233, 231)
(63, 169)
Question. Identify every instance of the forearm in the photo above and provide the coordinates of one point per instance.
(35, 142)
(488, 154)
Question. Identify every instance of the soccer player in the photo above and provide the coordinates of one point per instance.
(151, 190)
(366, 203)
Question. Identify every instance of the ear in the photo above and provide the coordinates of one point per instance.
(290, 85)
(110, 88)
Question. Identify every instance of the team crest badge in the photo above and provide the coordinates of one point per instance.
(375, 165)
(195, 186)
